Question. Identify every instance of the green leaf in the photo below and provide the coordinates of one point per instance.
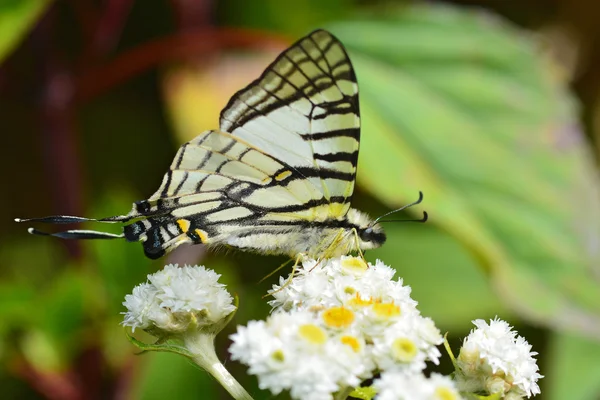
(164, 347)
(573, 369)
(461, 106)
(456, 293)
(58, 317)
(16, 301)
(275, 14)
(16, 18)
(364, 393)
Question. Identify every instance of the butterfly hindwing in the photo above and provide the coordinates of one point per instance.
(215, 180)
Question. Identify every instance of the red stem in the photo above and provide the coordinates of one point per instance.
(108, 29)
(191, 14)
(86, 15)
(177, 46)
(57, 130)
(53, 386)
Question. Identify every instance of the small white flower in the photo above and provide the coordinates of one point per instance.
(143, 307)
(295, 351)
(407, 345)
(494, 359)
(335, 281)
(176, 298)
(400, 385)
(363, 301)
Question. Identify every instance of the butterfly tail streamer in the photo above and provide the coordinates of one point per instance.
(75, 233)
(78, 234)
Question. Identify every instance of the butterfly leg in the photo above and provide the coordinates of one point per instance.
(276, 269)
(330, 250)
(289, 280)
(360, 253)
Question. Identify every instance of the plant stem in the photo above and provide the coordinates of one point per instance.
(343, 393)
(201, 345)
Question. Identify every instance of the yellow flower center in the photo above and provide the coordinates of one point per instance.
(312, 334)
(386, 310)
(278, 355)
(352, 342)
(354, 265)
(404, 349)
(358, 301)
(338, 317)
(444, 393)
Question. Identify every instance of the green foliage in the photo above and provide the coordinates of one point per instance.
(276, 15)
(439, 271)
(166, 347)
(462, 107)
(364, 393)
(16, 18)
(573, 369)
(165, 376)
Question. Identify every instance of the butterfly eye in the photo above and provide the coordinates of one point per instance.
(366, 234)
(374, 236)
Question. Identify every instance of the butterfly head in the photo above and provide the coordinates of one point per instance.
(371, 237)
(370, 233)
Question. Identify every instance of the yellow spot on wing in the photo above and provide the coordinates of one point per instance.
(283, 175)
(184, 225)
(202, 235)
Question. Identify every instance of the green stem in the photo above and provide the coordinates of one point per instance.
(450, 353)
(343, 393)
(202, 347)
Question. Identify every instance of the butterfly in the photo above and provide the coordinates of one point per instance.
(277, 177)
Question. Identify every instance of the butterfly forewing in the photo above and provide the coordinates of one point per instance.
(304, 109)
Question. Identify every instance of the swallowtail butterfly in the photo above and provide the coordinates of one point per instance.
(276, 178)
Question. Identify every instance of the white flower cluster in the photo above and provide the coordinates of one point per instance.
(296, 351)
(176, 299)
(398, 385)
(495, 360)
(336, 323)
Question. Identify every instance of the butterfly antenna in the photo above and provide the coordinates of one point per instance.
(422, 219)
(419, 200)
(75, 233)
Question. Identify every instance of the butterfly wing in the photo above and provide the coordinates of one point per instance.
(217, 184)
(285, 156)
(304, 109)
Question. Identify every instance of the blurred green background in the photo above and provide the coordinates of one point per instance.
(491, 108)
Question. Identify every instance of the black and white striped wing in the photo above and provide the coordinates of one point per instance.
(304, 110)
(218, 185)
(285, 157)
